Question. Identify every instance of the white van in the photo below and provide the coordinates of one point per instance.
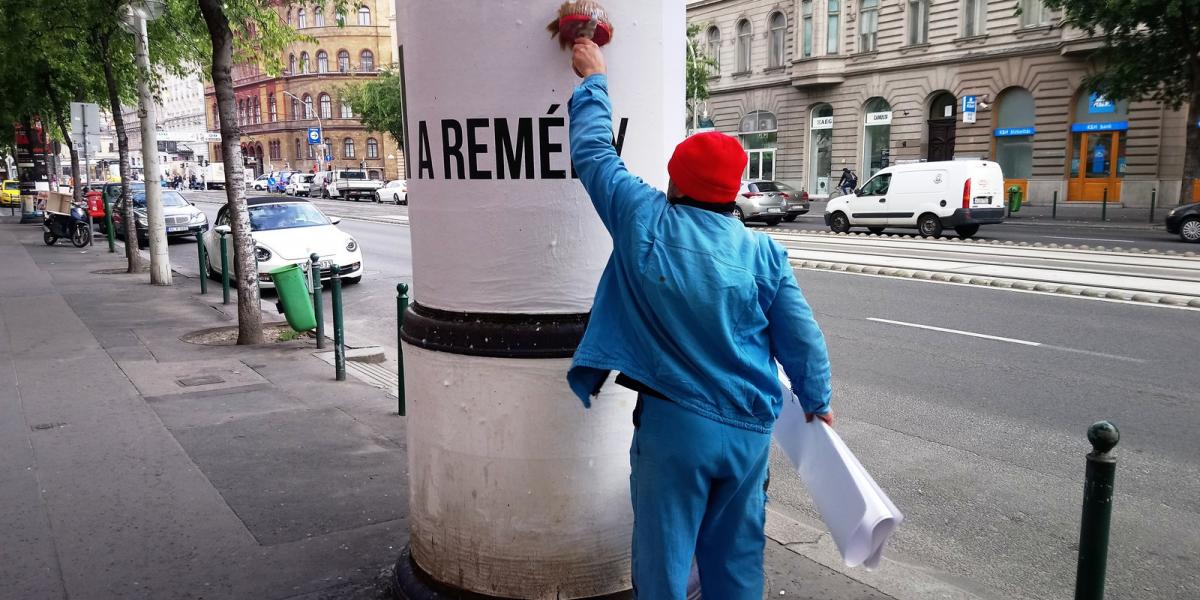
(928, 196)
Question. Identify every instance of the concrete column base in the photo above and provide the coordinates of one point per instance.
(409, 582)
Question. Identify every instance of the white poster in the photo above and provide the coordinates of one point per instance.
(822, 123)
(879, 118)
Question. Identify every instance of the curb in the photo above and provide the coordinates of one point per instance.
(979, 242)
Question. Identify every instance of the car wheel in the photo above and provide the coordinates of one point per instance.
(929, 225)
(773, 222)
(790, 218)
(1189, 230)
(738, 214)
(839, 223)
(396, 199)
(966, 231)
(48, 238)
(875, 230)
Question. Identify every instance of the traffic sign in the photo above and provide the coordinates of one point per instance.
(314, 136)
(328, 158)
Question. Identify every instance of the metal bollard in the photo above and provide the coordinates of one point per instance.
(339, 333)
(401, 308)
(1104, 206)
(1097, 511)
(1153, 198)
(318, 300)
(108, 226)
(200, 252)
(1054, 205)
(224, 270)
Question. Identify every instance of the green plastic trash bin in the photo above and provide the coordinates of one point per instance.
(1014, 199)
(294, 300)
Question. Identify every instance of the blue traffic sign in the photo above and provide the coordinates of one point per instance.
(328, 158)
(314, 136)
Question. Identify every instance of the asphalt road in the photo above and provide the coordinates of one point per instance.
(979, 440)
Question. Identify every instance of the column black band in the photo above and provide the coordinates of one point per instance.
(500, 335)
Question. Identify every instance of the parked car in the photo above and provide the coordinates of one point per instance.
(759, 201)
(181, 217)
(287, 231)
(11, 194)
(795, 202)
(261, 182)
(930, 196)
(299, 184)
(112, 191)
(395, 191)
(1185, 221)
(351, 184)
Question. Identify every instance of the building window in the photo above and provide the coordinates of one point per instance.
(322, 61)
(877, 135)
(372, 148)
(292, 64)
(743, 46)
(806, 18)
(298, 155)
(918, 21)
(820, 156)
(272, 112)
(1014, 132)
(257, 111)
(364, 15)
(326, 106)
(318, 18)
(348, 148)
(302, 18)
(304, 65)
(296, 116)
(289, 17)
(347, 112)
(868, 25)
(759, 133)
(341, 19)
(308, 107)
(776, 38)
(714, 50)
(343, 61)
(974, 17)
(833, 26)
(366, 61)
(1033, 13)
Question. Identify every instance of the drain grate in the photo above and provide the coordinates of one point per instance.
(198, 381)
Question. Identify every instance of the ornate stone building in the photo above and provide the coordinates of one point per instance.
(815, 86)
(276, 113)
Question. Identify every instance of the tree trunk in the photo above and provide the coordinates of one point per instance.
(244, 263)
(77, 187)
(1191, 151)
(114, 101)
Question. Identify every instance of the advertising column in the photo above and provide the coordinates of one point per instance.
(517, 491)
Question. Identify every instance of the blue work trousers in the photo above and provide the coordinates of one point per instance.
(697, 490)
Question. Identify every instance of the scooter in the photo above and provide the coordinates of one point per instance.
(73, 226)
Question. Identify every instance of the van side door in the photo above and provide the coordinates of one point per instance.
(870, 204)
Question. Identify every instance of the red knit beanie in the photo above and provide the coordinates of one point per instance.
(708, 167)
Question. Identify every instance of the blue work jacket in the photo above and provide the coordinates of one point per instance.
(691, 303)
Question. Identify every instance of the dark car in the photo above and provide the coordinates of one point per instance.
(180, 216)
(795, 201)
(1185, 221)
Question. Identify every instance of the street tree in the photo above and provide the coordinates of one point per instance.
(378, 104)
(1151, 52)
(699, 68)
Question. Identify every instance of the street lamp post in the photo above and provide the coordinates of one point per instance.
(320, 127)
(134, 15)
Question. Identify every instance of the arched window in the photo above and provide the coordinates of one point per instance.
(820, 154)
(304, 65)
(759, 132)
(272, 111)
(366, 61)
(1014, 133)
(289, 17)
(713, 49)
(308, 107)
(341, 19)
(877, 134)
(322, 61)
(318, 18)
(743, 46)
(776, 39)
(347, 112)
(372, 148)
(343, 61)
(302, 19)
(326, 106)
(348, 148)
(364, 15)
(296, 116)
(292, 64)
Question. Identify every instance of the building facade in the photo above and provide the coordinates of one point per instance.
(812, 87)
(275, 114)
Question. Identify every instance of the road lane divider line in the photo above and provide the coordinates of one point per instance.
(957, 332)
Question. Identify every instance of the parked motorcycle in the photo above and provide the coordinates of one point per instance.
(73, 226)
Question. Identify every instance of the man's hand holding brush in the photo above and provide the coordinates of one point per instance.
(587, 58)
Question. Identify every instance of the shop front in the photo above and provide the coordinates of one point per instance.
(877, 134)
(1096, 163)
(820, 151)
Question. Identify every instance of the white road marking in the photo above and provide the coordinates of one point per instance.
(1059, 237)
(997, 338)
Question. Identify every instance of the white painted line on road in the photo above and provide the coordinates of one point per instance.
(957, 331)
(997, 338)
(1060, 237)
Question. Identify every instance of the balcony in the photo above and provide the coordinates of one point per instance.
(1078, 41)
(818, 71)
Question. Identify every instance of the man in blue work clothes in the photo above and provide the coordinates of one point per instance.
(693, 310)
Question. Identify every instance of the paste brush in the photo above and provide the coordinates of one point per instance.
(581, 18)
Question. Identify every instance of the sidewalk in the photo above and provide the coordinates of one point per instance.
(137, 465)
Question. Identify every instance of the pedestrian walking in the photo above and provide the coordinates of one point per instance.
(693, 311)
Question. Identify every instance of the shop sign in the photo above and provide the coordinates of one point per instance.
(1109, 126)
(822, 123)
(1013, 131)
(879, 118)
(969, 104)
(1098, 104)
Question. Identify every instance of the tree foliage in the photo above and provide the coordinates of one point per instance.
(699, 65)
(378, 104)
